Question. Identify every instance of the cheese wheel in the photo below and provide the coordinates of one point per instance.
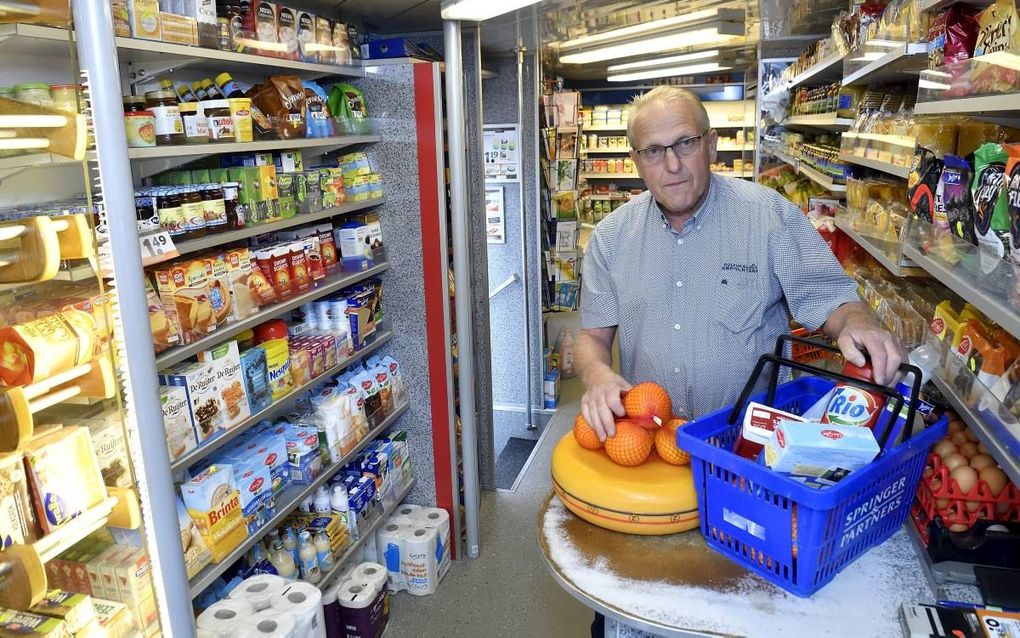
(651, 499)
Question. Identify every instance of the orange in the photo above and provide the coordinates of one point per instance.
(631, 446)
(648, 401)
(585, 434)
(665, 443)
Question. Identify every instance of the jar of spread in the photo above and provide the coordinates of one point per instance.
(38, 94)
(145, 213)
(167, 115)
(140, 128)
(168, 209)
(221, 123)
(236, 217)
(133, 103)
(193, 212)
(196, 129)
(65, 97)
(214, 207)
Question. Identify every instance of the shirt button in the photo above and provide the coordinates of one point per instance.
(679, 284)
(676, 327)
(679, 241)
(676, 370)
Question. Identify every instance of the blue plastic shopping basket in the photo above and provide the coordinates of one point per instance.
(797, 536)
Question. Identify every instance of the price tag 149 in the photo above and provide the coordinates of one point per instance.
(157, 247)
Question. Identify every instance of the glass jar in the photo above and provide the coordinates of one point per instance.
(193, 212)
(236, 217)
(196, 128)
(140, 129)
(65, 97)
(168, 209)
(214, 207)
(133, 103)
(38, 94)
(145, 213)
(221, 123)
(167, 114)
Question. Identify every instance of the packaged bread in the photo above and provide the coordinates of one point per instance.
(73, 608)
(184, 292)
(196, 554)
(65, 476)
(17, 520)
(41, 348)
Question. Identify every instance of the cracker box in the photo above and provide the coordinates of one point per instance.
(180, 431)
(207, 411)
(64, 475)
(74, 609)
(178, 29)
(821, 450)
(108, 438)
(23, 623)
(184, 291)
(214, 503)
(242, 302)
(226, 360)
(145, 19)
(196, 554)
(17, 520)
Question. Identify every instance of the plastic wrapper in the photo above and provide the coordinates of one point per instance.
(991, 215)
(998, 29)
(952, 35)
(923, 182)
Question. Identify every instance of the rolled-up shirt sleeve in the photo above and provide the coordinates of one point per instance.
(600, 306)
(813, 282)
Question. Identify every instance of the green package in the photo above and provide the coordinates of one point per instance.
(285, 187)
(991, 212)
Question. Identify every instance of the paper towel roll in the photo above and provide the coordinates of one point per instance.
(419, 561)
(258, 590)
(390, 540)
(225, 617)
(304, 601)
(407, 509)
(440, 520)
(372, 574)
(272, 623)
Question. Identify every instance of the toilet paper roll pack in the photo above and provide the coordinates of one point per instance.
(258, 590)
(331, 612)
(390, 540)
(370, 550)
(439, 519)
(407, 509)
(419, 561)
(226, 618)
(304, 602)
(272, 623)
(364, 609)
(372, 574)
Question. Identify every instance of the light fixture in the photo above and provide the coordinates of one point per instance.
(654, 25)
(674, 59)
(479, 10)
(669, 71)
(870, 56)
(708, 35)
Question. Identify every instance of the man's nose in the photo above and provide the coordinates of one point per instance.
(672, 160)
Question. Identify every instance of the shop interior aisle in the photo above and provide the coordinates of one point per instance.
(508, 590)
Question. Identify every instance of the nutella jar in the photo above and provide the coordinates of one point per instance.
(221, 122)
(167, 113)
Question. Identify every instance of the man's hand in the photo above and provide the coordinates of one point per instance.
(861, 329)
(601, 401)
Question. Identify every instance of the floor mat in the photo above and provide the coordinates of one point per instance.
(511, 461)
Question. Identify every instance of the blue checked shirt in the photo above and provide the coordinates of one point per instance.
(695, 309)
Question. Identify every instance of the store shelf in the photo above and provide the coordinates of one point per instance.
(608, 176)
(608, 128)
(1005, 105)
(605, 151)
(278, 407)
(180, 353)
(52, 42)
(731, 124)
(365, 534)
(1005, 447)
(609, 198)
(735, 148)
(906, 59)
(820, 178)
(828, 69)
(12, 165)
(883, 251)
(783, 157)
(212, 241)
(828, 121)
(197, 150)
(55, 543)
(969, 290)
(77, 272)
(740, 175)
(938, 5)
(287, 502)
(885, 167)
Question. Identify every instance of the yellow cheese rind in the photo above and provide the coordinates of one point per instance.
(651, 499)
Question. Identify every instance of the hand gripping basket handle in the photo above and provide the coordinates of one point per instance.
(779, 361)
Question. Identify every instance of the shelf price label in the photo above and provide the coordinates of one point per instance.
(157, 247)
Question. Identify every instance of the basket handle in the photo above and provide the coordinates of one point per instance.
(779, 362)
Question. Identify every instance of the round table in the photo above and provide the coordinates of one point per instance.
(677, 586)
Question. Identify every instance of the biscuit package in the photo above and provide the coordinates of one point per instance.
(184, 291)
(180, 433)
(226, 360)
(196, 554)
(207, 411)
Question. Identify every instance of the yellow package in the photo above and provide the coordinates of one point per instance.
(278, 367)
(65, 476)
(213, 502)
(74, 609)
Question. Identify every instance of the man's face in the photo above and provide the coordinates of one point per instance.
(677, 183)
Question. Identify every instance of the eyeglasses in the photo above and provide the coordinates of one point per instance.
(683, 147)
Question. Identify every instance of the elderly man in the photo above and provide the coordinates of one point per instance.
(698, 275)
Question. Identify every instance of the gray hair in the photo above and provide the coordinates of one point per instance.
(673, 95)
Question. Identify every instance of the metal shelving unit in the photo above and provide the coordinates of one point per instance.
(212, 241)
(287, 501)
(820, 178)
(180, 353)
(906, 59)
(1006, 106)
(278, 407)
(828, 69)
(828, 121)
(881, 250)
(885, 167)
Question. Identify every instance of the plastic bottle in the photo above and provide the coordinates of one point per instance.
(323, 552)
(275, 542)
(290, 544)
(566, 348)
(927, 358)
(342, 507)
(283, 562)
(256, 555)
(308, 505)
(322, 500)
(310, 571)
(851, 405)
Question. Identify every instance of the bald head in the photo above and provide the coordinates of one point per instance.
(670, 96)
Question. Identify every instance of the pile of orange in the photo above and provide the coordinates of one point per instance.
(649, 426)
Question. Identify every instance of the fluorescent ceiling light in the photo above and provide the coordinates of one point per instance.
(639, 28)
(479, 10)
(665, 72)
(675, 59)
(718, 34)
(870, 56)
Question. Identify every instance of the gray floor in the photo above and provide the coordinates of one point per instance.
(507, 591)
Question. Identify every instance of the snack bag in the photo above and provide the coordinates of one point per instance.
(922, 184)
(998, 29)
(952, 35)
(1013, 200)
(956, 198)
(991, 220)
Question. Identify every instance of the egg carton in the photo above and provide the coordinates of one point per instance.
(941, 495)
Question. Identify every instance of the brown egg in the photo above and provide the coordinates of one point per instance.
(954, 460)
(995, 478)
(957, 527)
(955, 426)
(969, 450)
(966, 478)
(959, 438)
(982, 449)
(944, 448)
(981, 461)
(970, 436)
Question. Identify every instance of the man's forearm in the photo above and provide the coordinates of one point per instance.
(836, 322)
(593, 355)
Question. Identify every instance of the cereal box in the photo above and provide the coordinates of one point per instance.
(214, 503)
(184, 290)
(180, 431)
(226, 360)
(207, 411)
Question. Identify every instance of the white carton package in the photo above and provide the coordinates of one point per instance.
(821, 450)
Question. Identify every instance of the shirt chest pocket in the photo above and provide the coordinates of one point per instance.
(739, 304)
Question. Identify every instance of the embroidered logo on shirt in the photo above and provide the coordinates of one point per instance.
(751, 268)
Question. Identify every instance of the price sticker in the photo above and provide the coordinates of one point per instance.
(157, 247)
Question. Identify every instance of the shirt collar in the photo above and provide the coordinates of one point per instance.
(693, 221)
